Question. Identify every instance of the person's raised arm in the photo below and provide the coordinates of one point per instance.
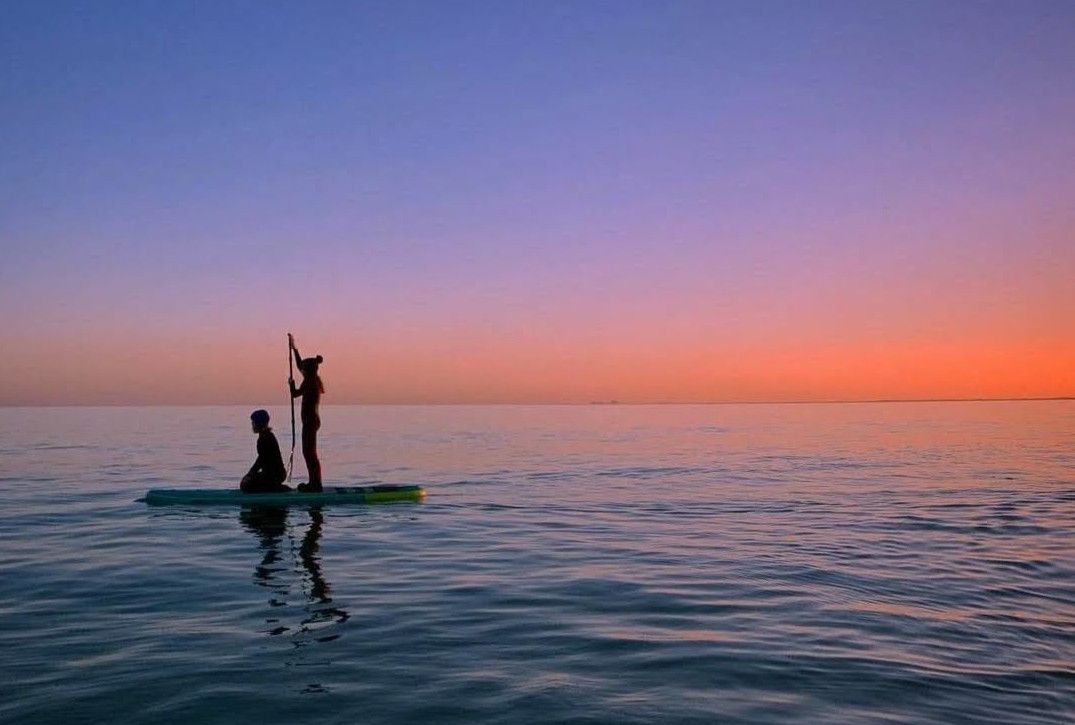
(295, 392)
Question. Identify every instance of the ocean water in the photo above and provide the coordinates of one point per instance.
(754, 564)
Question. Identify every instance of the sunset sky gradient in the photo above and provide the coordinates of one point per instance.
(537, 201)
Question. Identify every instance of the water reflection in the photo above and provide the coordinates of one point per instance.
(315, 586)
(275, 572)
(270, 526)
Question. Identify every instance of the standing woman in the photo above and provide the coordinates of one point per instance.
(311, 391)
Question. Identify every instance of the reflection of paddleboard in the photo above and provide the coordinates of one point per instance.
(331, 495)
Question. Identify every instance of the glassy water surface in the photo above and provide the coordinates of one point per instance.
(869, 563)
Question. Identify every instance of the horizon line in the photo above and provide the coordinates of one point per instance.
(594, 403)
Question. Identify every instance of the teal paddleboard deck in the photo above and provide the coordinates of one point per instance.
(330, 495)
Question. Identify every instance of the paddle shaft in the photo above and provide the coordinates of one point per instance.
(291, 382)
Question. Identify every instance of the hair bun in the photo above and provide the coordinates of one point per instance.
(320, 359)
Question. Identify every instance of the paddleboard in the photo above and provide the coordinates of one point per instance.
(330, 495)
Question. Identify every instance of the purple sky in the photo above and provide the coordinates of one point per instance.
(537, 201)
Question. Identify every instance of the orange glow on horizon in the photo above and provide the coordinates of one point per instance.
(538, 371)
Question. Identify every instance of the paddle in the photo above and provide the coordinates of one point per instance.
(290, 387)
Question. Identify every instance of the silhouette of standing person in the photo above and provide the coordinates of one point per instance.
(311, 391)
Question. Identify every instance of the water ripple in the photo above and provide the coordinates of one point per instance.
(860, 565)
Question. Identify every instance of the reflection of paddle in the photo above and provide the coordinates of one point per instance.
(290, 386)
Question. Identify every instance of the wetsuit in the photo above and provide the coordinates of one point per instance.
(268, 472)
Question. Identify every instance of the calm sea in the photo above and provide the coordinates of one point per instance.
(754, 564)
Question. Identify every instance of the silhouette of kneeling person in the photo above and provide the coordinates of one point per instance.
(267, 475)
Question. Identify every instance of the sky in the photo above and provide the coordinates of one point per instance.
(537, 202)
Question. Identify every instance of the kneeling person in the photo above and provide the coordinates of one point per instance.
(267, 475)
